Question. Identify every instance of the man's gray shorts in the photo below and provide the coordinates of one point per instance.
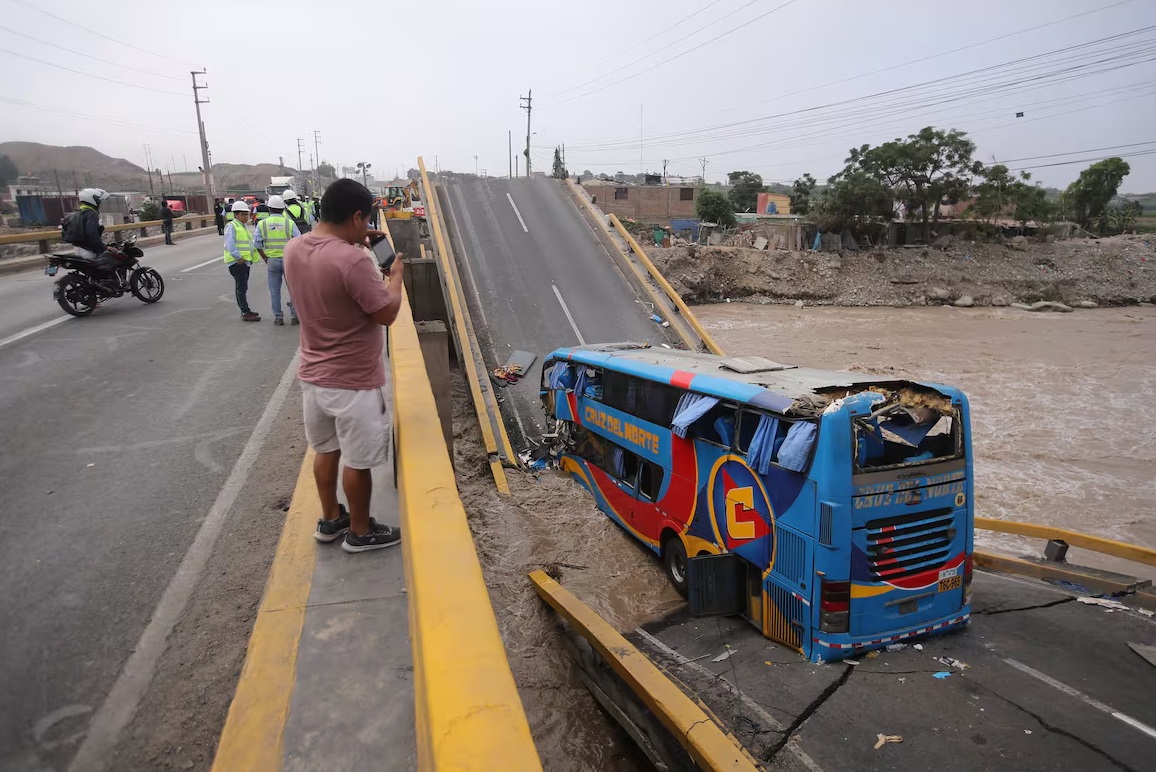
(358, 423)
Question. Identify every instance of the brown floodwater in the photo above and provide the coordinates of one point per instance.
(1063, 406)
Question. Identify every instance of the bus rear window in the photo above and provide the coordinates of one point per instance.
(901, 435)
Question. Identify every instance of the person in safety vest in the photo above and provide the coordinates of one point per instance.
(273, 233)
(240, 254)
(297, 212)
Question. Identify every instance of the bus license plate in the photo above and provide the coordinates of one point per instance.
(950, 583)
(51, 270)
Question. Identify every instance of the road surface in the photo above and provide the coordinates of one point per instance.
(537, 278)
(122, 435)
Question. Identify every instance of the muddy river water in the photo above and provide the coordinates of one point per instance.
(1064, 432)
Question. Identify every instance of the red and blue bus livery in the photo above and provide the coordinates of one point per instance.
(833, 510)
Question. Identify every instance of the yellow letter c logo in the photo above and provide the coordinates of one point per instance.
(744, 498)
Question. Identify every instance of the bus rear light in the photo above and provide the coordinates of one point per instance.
(834, 606)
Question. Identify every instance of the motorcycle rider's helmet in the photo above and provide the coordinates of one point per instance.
(239, 206)
(275, 202)
(93, 196)
(289, 195)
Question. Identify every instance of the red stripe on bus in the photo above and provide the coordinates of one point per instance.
(681, 379)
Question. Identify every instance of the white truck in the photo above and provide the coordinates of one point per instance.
(278, 185)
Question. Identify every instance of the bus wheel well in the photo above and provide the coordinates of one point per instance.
(702, 554)
(664, 537)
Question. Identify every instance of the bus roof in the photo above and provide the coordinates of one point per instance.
(753, 380)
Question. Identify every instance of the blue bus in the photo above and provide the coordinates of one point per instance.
(832, 510)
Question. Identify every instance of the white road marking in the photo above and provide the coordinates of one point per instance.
(527, 230)
(569, 316)
(201, 265)
(464, 254)
(33, 330)
(1083, 697)
(121, 704)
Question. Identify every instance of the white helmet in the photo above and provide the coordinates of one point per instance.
(93, 196)
(239, 206)
(275, 202)
(290, 195)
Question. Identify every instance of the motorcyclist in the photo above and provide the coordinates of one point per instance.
(82, 229)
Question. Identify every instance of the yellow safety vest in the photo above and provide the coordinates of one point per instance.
(244, 243)
(276, 230)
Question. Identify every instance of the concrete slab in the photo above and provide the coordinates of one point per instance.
(999, 713)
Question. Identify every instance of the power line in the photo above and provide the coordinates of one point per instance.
(1084, 160)
(921, 59)
(90, 74)
(680, 54)
(1076, 152)
(88, 55)
(644, 42)
(98, 34)
(99, 119)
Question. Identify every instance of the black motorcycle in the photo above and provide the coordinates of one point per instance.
(87, 283)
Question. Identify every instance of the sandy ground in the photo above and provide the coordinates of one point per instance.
(1114, 271)
(1063, 406)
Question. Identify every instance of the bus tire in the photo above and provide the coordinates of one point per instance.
(674, 561)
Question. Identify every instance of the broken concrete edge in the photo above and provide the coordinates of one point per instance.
(1095, 581)
(34, 262)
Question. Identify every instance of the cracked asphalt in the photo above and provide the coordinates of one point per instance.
(1044, 676)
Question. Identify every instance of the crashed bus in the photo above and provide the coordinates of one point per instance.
(832, 510)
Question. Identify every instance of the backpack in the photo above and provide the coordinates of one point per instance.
(303, 222)
(71, 228)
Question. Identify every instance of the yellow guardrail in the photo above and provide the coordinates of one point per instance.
(675, 298)
(468, 712)
(708, 745)
(54, 235)
(467, 345)
(1099, 544)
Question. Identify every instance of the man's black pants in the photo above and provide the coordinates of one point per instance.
(240, 272)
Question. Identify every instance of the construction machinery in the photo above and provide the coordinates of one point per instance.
(402, 202)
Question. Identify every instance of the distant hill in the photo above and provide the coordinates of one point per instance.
(79, 166)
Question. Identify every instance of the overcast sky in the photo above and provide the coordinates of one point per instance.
(780, 92)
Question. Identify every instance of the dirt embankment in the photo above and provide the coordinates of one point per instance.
(1120, 270)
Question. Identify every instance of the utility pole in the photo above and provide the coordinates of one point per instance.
(529, 100)
(300, 146)
(475, 166)
(148, 167)
(565, 171)
(208, 169)
(641, 163)
(185, 162)
(510, 144)
(703, 162)
(665, 161)
(59, 192)
(317, 153)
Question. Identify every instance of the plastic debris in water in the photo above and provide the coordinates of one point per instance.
(941, 675)
(887, 738)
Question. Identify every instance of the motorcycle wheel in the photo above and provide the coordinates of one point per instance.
(75, 296)
(147, 285)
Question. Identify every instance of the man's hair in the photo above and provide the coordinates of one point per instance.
(343, 199)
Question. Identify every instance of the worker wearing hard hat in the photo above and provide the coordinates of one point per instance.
(297, 212)
(239, 256)
(273, 233)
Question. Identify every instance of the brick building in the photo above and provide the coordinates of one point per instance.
(647, 203)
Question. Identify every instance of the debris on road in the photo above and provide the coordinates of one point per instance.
(725, 655)
(918, 647)
(887, 738)
(1147, 652)
(1111, 605)
(941, 675)
(897, 647)
(952, 662)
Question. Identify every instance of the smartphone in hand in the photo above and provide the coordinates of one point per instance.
(384, 254)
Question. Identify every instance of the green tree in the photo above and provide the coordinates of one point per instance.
(923, 170)
(850, 198)
(745, 190)
(149, 210)
(802, 193)
(1086, 200)
(1122, 218)
(559, 172)
(712, 206)
(8, 170)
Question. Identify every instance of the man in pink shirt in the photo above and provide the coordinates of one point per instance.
(343, 302)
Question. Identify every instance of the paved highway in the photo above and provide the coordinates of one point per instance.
(132, 440)
(537, 278)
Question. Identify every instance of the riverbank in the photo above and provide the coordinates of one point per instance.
(1115, 271)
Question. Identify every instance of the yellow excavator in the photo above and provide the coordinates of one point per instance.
(402, 203)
